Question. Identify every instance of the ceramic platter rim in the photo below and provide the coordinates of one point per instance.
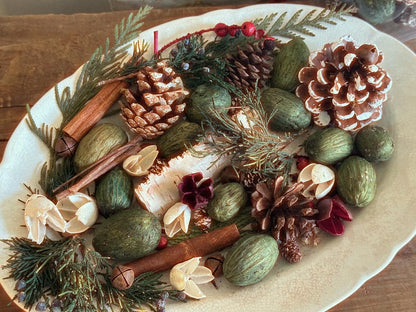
(328, 273)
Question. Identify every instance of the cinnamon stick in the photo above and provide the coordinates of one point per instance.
(123, 276)
(94, 110)
(103, 165)
(87, 117)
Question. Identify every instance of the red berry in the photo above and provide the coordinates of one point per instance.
(259, 34)
(302, 162)
(233, 30)
(221, 30)
(163, 243)
(248, 29)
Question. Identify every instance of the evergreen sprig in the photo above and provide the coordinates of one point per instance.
(297, 25)
(252, 146)
(54, 173)
(44, 132)
(78, 276)
(105, 63)
(198, 62)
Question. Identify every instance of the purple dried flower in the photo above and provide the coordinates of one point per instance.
(194, 191)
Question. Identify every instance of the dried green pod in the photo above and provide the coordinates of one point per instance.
(174, 140)
(98, 142)
(329, 145)
(376, 12)
(291, 58)
(374, 143)
(250, 259)
(228, 199)
(114, 192)
(205, 98)
(356, 181)
(289, 113)
(128, 234)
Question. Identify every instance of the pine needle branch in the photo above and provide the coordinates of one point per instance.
(252, 148)
(54, 173)
(76, 275)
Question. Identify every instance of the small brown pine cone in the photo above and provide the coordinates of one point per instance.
(251, 65)
(154, 102)
(290, 250)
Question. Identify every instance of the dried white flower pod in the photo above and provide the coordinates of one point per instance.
(139, 164)
(39, 213)
(186, 276)
(317, 179)
(177, 218)
(80, 211)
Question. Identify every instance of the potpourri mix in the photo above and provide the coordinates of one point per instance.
(240, 146)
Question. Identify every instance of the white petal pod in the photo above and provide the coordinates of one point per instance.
(318, 180)
(139, 164)
(40, 212)
(80, 211)
(177, 218)
(188, 275)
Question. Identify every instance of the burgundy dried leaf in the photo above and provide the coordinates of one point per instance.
(331, 225)
(340, 210)
(325, 208)
(331, 211)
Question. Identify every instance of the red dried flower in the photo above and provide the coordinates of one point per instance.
(194, 191)
(331, 211)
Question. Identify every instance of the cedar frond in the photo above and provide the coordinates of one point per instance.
(297, 26)
(45, 133)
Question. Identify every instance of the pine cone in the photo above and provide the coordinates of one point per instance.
(155, 102)
(344, 85)
(250, 66)
(286, 213)
(290, 250)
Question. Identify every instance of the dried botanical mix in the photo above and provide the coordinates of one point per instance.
(208, 163)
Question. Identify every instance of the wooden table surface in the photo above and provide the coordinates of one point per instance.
(38, 51)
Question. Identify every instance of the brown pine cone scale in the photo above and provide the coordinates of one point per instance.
(251, 65)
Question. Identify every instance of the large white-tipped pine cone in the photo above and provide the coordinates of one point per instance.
(155, 102)
(344, 85)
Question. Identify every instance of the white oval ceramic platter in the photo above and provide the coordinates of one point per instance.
(328, 273)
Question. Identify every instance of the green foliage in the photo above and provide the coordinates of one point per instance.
(255, 149)
(105, 63)
(70, 271)
(198, 63)
(298, 26)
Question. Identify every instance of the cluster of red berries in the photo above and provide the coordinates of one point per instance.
(248, 29)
